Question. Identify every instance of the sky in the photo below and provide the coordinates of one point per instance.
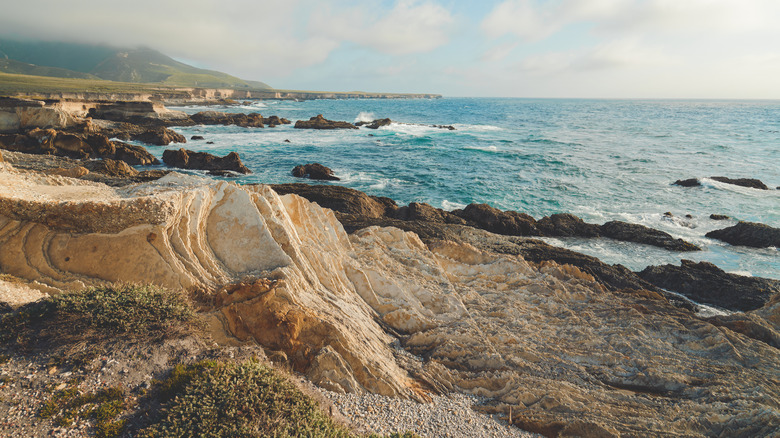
(503, 48)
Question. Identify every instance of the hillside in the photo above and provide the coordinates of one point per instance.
(138, 65)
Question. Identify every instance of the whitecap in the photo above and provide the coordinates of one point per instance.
(364, 116)
(449, 205)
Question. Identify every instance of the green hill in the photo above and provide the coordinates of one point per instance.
(141, 65)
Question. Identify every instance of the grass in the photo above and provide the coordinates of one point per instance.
(100, 408)
(133, 310)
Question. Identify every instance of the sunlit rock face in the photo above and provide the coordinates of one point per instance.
(568, 356)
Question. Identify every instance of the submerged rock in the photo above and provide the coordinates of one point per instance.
(314, 171)
(320, 122)
(748, 234)
(719, 217)
(708, 284)
(744, 182)
(641, 234)
(693, 182)
(186, 159)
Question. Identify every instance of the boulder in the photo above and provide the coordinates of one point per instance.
(376, 124)
(692, 182)
(341, 199)
(159, 136)
(744, 182)
(719, 217)
(494, 220)
(566, 225)
(320, 122)
(314, 171)
(748, 234)
(101, 145)
(72, 172)
(274, 121)
(111, 167)
(197, 137)
(133, 155)
(185, 159)
(641, 234)
(708, 284)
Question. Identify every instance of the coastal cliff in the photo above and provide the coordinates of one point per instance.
(546, 342)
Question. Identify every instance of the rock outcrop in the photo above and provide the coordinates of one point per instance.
(545, 340)
(186, 159)
(748, 234)
(159, 136)
(251, 120)
(744, 182)
(314, 171)
(708, 284)
(320, 122)
(641, 234)
(376, 124)
(494, 220)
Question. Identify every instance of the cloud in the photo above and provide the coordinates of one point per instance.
(612, 55)
(409, 27)
(499, 52)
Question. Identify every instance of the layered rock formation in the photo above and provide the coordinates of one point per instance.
(567, 355)
(320, 122)
(186, 159)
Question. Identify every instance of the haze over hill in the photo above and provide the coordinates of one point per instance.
(138, 65)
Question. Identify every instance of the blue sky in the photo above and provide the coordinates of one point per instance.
(512, 48)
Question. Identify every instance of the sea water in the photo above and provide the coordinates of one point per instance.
(601, 160)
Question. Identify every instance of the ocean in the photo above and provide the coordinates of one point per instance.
(601, 160)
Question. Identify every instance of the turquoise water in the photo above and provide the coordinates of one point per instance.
(598, 159)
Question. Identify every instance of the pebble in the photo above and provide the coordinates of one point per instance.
(446, 416)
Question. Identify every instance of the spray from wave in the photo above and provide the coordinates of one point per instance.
(364, 116)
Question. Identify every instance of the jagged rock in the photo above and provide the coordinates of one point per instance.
(376, 124)
(251, 120)
(566, 225)
(719, 217)
(101, 146)
(748, 234)
(111, 167)
(72, 172)
(341, 199)
(744, 182)
(133, 155)
(24, 114)
(545, 340)
(186, 159)
(197, 137)
(496, 221)
(314, 171)
(417, 211)
(275, 121)
(708, 284)
(159, 136)
(693, 182)
(641, 234)
(320, 122)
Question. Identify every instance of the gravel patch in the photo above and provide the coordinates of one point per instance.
(445, 416)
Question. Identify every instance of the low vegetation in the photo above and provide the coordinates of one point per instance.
(68, 406)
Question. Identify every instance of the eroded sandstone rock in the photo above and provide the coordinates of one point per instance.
(314, 171)
(186, 159)
(320, 122)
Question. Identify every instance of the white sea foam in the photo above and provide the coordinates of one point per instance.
(482, 148)
(449, 205)
(477, 128)
(742, 273)
(364, 116)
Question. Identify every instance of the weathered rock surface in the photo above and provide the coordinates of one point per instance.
(546, 340)
(708, 284)
(24, 114)
(748, 234)
(314, 171)
(744, 182)
(496, 221)
(186, 159)
(275, 121)
(111, 167)
(567, 225)
(320, 122)
(81, 146)
(376, 124)
(340, 199)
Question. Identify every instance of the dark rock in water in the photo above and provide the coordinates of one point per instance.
(693, 182)
(416, 211)
(134, 155)
(197, 137)
(251, 120)
(341, 199)
(488, 218)
(275, 121)
(287, 140)
(376, 124)
(111, 167)
(185, 159)
(314, 171)
(159, 136)
(689, 216)
(209, 142)
(748, 234)
(708, 284)
(566, 225)
(320, 122)
(744, 182)
(719, 217)
(448, 127)
(668, 214)
(641, 234)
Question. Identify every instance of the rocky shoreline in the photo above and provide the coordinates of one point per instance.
(383, 304)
